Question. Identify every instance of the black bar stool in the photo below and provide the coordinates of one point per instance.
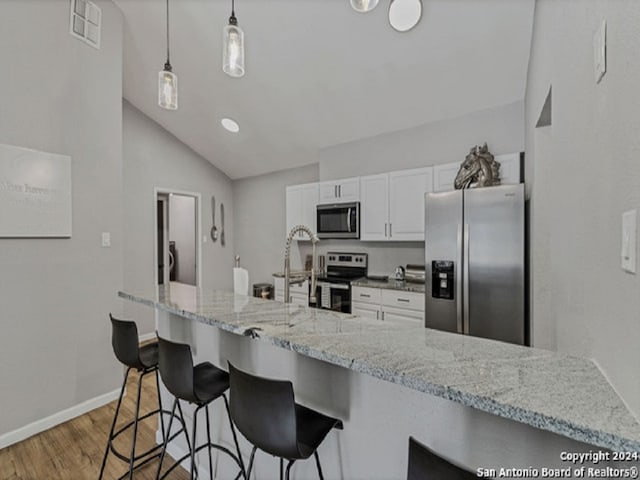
(199, 385)
(424, 464)
(265, 412)
(144, 359)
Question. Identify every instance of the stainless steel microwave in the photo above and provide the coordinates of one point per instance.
(338, 220)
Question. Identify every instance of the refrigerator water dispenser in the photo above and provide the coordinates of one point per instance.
(442, 279)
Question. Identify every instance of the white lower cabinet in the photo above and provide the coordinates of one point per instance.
(388, 305)
(298, 293)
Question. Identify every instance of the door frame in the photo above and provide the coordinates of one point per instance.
(198, 207)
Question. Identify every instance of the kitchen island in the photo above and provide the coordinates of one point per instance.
(483, 403)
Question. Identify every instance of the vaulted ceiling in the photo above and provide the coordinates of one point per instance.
(319, 73)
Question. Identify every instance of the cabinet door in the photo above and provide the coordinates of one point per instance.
(309, 194)
(403, 300)
(398, 315)
(374, 207)
(509, 168)
(293, 207)
(366, 310)
(444, 175)
(328, 192)
(366, 295)
(406, 203)
(349, 189)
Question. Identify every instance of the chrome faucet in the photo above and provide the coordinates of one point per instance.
(287, 263)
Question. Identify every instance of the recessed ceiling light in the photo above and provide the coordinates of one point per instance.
(230, 125)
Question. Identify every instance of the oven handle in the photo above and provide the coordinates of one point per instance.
(335, 286)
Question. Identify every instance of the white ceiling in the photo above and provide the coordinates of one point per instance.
(319, 73)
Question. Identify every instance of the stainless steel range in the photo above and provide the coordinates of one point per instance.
(334, 288)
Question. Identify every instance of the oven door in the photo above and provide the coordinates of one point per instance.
(341, 220)
(334, 296)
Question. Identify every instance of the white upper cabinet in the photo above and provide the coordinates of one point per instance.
(509, 168)
(301, 202)
(392, 206)
(406, 203)
(343, 190)
(374, 207)
(444, 175)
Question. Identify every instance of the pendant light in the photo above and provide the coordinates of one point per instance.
(233, 46)
(167, 80)
(363, 6)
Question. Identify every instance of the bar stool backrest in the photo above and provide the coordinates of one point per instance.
(176, 369)
(124, 339)
(426, 465)
(263, 409)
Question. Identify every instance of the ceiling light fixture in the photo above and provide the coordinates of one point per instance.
(233, 49)
(405, 14)
(167, 80)
(363, 6)
(230, 125)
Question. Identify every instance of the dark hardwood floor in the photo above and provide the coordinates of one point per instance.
(74, 450)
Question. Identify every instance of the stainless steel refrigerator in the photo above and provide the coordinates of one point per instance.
(475, 262)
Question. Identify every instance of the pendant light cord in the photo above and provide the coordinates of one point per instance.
(233, 8)
(168, 57)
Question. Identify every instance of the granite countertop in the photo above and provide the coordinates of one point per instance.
(390, 284)
(555, 392)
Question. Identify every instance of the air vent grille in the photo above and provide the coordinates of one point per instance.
(85, 21)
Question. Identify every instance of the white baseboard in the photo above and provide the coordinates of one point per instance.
(46, 423)
(146, 336)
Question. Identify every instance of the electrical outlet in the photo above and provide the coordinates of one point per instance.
(106, 239)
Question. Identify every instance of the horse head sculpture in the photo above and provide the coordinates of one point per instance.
(479, 169)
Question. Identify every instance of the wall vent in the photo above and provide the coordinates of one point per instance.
(85, 19)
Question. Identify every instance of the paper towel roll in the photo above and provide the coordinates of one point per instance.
(240, 281)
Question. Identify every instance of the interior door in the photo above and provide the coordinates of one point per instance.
(494, 248)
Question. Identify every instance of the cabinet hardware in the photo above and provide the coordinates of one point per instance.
(385, 230)
(365, 295)
(390, 230)
(335, 191)
(377, 314)
(405, 300)
(340, 191)
(382, 315)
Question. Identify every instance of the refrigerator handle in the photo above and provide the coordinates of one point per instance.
(459, 281)
(465, 279)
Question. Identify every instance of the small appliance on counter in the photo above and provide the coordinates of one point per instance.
(414, 273)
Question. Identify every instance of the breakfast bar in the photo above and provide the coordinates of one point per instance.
(482, 403)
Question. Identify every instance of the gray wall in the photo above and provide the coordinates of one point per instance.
(155, 158)
(259, 218)
(182, 230)
(61, 95)
(585, 173)
(430, 144)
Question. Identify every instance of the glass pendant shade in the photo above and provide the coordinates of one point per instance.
(363, 6)
(168, 90)
(233, 51)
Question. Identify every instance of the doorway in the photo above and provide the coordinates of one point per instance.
(177, 250)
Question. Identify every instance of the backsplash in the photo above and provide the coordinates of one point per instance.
(384, 257)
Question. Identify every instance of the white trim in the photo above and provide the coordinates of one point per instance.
(56, 419)
(145, 337)
(198, 196)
